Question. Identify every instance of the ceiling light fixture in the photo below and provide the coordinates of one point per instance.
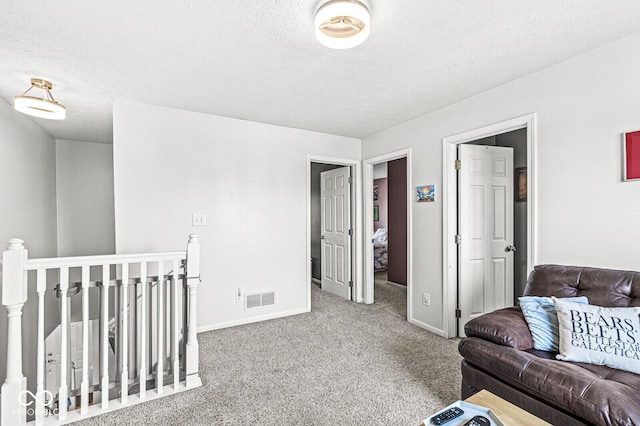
(43, 107)
(342, 24)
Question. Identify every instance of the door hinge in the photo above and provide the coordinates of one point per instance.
(458, 164)
(458, 313)
(350, 284)
(350, 179)
(458, 239)
(350, 232)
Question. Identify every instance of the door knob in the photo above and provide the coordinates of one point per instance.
(510, 248)
(322, 237)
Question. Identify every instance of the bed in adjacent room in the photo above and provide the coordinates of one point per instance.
(380, 244)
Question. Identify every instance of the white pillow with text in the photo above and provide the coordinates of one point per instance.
(599, 335)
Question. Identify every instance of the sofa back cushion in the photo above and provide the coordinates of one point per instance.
(603, 287)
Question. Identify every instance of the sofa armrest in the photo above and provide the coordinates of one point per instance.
(506, 327)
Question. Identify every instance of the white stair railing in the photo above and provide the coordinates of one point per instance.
(169, 310)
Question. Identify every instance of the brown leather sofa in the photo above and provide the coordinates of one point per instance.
(499, 356)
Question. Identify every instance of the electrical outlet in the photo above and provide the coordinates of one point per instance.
(239, 295)
(199, 219)
(426, 299)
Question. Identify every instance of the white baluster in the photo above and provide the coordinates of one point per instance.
(41, 286)
(104, 388)
(167, 320)
(193, 279)
(117, 302)
(160, 319)
(143, 330)
(124, 378)
(84, 387)
(64, 343)
(132, 318)
(14, 295)
(175, 358)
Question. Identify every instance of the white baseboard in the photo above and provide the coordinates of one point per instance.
(251, 320)
(427, 327)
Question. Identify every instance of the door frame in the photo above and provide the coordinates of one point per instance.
(450, 206)
(356, 223)
(367, 187)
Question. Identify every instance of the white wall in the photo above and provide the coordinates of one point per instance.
(84, 180)
(250, 181)
(28, 189)
(586, 215)
(380, 171)
(28, 193)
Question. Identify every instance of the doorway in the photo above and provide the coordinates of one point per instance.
(316, 165)
(519, 134)
(316, 218)
(336, 232)
(390, 215)
(390, 235)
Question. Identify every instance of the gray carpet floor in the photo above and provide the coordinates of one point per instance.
(341, 364)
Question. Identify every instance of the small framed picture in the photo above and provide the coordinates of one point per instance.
(376, 213)
(631, 156)
(520, 177)
(426, 193)
(376, 189)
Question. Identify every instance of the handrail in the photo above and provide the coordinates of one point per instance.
(71, 262)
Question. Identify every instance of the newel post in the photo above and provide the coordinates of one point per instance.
(192, 272)
(14, 295)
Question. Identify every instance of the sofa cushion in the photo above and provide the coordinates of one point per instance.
(599, 394)
(540, 314)
(598, 335)
(603, 287)
(505, 327)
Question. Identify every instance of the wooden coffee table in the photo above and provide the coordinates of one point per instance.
(506, 411)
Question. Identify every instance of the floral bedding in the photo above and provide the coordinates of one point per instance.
(380, 254)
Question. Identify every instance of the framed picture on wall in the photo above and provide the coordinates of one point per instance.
(376, 190)
(376, 213)
(426, 193)
(520, 177)
(631, 155)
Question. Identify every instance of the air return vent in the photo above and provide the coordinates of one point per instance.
(258, 300)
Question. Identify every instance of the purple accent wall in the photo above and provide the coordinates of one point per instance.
(397, 219)
(381, 203)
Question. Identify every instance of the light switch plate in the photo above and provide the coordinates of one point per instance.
(426, 299)
(199, 219)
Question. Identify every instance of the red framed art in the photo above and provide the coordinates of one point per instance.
(631, 153)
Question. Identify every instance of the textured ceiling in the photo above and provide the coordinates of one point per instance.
(259, 60)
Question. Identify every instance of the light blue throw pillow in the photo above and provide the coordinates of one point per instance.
(542, 318)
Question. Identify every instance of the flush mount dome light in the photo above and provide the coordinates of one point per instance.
(342, 24)
(43, 107)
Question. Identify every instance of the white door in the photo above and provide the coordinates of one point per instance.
(335, 192)
(485, 227)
